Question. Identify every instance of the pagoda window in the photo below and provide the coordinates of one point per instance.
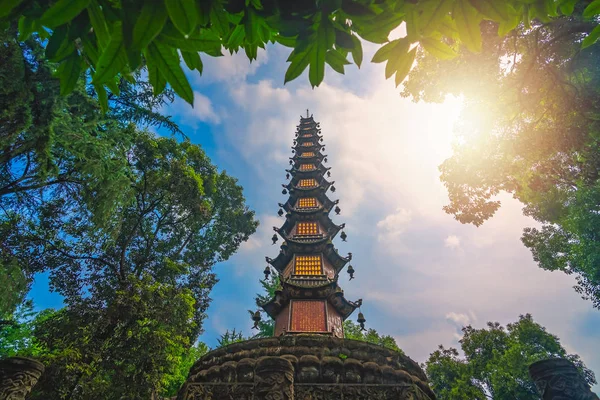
(306, 183)
(307, 167)
(308, 144)
(307, 154)
(308, 265)
(307, 228)
(307, 202)
(307, 135)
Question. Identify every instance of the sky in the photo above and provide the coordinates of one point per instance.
(421, 274)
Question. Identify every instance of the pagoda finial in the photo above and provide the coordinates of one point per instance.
(307, 113)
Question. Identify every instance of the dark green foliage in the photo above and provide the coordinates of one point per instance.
(530, 128)
(109, 39)
(17, 331)
(496, 361)
(230, 337)
(266, 327)
(352, 331)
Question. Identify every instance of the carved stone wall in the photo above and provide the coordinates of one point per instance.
(18, 375)
(305, 367)
(559, 379)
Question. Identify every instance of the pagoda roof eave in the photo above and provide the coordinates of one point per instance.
(331, 229)
(287, 251)
(330, 291)
(326, 205)
(321, 169)
(323, 184)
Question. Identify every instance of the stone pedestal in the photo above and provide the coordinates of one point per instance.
(274, 379)
(558, 379)
(305, 367)
(18, 375)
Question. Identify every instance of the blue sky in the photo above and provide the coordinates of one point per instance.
(421, 274)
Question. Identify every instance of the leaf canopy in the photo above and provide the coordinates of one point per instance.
(123, 34)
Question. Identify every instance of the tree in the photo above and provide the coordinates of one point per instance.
(54, 146)
(530, 129)
(230, 337)
(353, 331)
(16, 333)
(266, 327)
(496, 362)
(174, 381)
(109, 39)
(137, 289)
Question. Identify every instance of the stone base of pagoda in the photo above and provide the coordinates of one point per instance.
(18, 375)
(305, 367)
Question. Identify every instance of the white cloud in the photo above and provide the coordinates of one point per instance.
(202, 111)
(229, 68)
(392, 226)
(452, 242)
(460, 319)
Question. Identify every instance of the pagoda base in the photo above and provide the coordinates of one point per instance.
(305, 367)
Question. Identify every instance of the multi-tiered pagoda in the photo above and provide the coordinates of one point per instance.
(308, 358)
(309, 299)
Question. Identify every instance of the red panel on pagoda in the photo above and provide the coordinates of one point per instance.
(308, 316)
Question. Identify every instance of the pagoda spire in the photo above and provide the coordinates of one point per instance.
(309, 299)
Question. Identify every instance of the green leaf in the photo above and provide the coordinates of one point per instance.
(56, 41)
(113, 85)
(354, 8)
(6, 6)
(510, 24)
(336, 60)
(99, 24)
(324, 41)
(236, 38)
(467, 22)
(378, 29)
(357, 51)
(63, 11)
(343, 39)
(496, 10)
(192, 60)
(156, 79)
(68, 71)
(251, 26)
(567, 6)
(89, 50)
(299, 60)
(437, 48)
(592, 9)
(432, 12)
(286, 41)
(102, 97)
(183, 14)
(404, 68)
(148, 25)
(396, 56)
(113, 58)
(167, 62)
(205, 41)
(591, 38)
(218, 19)
(385, 51)
(26, 27)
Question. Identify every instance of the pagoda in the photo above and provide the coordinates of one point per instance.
(308, 357)
(309, 299)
